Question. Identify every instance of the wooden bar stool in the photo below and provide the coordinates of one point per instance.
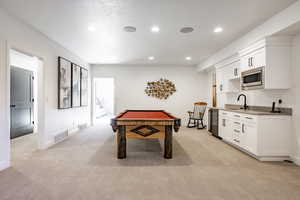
(196, 117)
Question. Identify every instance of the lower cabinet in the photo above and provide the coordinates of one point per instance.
(249, 132)
(224, 126)
(267, 138)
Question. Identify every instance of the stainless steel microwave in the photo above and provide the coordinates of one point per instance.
(253, 79)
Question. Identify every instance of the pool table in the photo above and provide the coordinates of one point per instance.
(145, 124)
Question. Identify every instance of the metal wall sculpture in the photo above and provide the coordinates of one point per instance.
(161, 89)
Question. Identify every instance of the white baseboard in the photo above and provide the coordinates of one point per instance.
(4, 165)
(296, 160)
(73, 131)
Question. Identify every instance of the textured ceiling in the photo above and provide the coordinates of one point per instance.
(67, 21)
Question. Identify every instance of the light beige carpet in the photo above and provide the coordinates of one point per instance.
(85, 167)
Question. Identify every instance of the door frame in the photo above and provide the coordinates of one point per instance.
(93, 79)
(40, 94)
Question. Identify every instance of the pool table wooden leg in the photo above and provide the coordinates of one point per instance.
(121, 138)
(168, 142)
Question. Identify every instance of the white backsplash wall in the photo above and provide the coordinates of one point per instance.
(261, 97)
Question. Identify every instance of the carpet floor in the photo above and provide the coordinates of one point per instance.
(85, 167)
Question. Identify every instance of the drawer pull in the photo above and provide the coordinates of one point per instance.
(237, 123)
(237, 115)
(237, 131)
(249, 118)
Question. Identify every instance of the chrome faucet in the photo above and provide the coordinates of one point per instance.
(245, 100)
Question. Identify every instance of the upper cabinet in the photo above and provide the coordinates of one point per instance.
(227, 75)
(274, 54)
(254, 59)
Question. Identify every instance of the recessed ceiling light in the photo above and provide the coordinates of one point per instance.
(129, 29)
(218, 30)
(151, 58)
(188, 58)
(186, 29)
(155, 29)
(92, 27)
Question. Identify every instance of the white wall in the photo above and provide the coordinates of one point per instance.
(295, 96)
(4, 136)
(130, 83)
(22, 37)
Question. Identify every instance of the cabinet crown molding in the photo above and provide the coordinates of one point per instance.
(268, 41)
(227, 61)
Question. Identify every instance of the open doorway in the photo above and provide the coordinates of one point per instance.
(103, 99)
(23, 104)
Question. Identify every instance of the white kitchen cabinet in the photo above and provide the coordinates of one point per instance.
(234, 70)
(221, 77)
(266, 137)
(227, 77)
(249, 134)
(254, 59)
(272, 53)
(224, 126)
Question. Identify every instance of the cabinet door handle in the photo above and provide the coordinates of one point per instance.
(221, 87)
(237, 115)
(236, 140)
(249, 118)
(12, 106)
(243, 128)
(237, 123)
(235, 72)
(251, 61)
(236, 131)
(224, 122)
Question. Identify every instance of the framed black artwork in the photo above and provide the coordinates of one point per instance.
(76, 85)
(64, 83)
(84, 98)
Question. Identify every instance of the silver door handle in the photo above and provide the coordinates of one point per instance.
(236, 141)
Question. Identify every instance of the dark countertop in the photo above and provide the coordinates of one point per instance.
(255, 110)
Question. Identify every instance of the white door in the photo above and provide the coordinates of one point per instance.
(222, 127)
(259, 58)
(249, 132)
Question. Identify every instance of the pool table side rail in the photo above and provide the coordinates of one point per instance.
(168, 114)
(175, 122)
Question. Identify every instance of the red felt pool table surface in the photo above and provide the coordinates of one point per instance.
(145, 115)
